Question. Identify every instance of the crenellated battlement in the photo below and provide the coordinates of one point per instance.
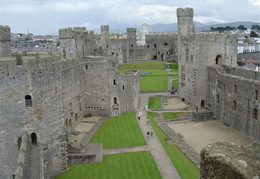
(5, 33)
(66, 33)
(185, 12)
(104, 27)
(132, 29)
(221, 37)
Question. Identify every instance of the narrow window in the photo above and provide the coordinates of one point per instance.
(123, 87)
(235, 88)
(56, 90)
(148, 46)
(126, 107)
(191, 58)
(115, 100)
(218, 84)
(19, 142)
(154, 45)
(64, 53)
(115, 82)
(112, 53)
(132, 45)
(217, 99)
(255, 113)
(86, 67)
(165, 44)
(256, 95)
(28, 101)
(234, 106)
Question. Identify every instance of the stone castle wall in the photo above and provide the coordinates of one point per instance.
(249, 56)
(196, 52)
(5, 41)
(234, 98)
(36, 77)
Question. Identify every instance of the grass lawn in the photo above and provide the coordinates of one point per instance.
(154, 102)
(143, 65)
(119, 131)
(117, 166)
(155, 81)
(175, 83)
(172, 115)
(185, 168)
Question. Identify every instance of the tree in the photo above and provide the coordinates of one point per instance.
(253, 34)
(255, 27)
(241, 27)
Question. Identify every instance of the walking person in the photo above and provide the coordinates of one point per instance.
(147, 121)
(148, 134)
(151, 132)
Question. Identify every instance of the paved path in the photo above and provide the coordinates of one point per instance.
(126, 149)
(161, 158)
(34, 162)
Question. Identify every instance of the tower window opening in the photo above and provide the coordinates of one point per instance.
(28, 101)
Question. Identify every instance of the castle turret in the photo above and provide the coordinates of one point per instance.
(104, 36)
(185, 21)
(131, 34)
(5, 41)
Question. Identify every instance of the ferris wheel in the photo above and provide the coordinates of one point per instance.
(142, 30)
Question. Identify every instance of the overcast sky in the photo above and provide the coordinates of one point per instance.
(47, 16)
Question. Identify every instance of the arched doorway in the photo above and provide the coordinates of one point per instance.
(34, 138)
(115, 112)
(202, 104)
(218, 60)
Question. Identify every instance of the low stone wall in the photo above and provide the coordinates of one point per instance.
(81, 158)
(227, 160)
(202, 116)
(177, 139)
(22, 162)
(92, 153)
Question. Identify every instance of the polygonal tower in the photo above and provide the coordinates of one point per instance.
(5, 41)
(104, 36)
(185, 21)
(131, 34)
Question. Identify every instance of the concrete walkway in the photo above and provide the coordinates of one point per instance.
(160, 156)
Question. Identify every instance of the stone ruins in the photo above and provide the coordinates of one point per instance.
(44, 94)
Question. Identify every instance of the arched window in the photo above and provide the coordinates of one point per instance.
(218, 60)
(34, 138)
(28, 101)
(202, 104)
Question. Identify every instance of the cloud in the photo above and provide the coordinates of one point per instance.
(90, 26)
(145, 13)
(255, 2)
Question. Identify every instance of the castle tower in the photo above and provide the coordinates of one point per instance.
(104, 36)
(5, 41)
(73, 42)
(185, 21)
(131, 34)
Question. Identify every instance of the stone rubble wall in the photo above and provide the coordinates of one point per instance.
(178, 140)
(22, 163)
(227, 160)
